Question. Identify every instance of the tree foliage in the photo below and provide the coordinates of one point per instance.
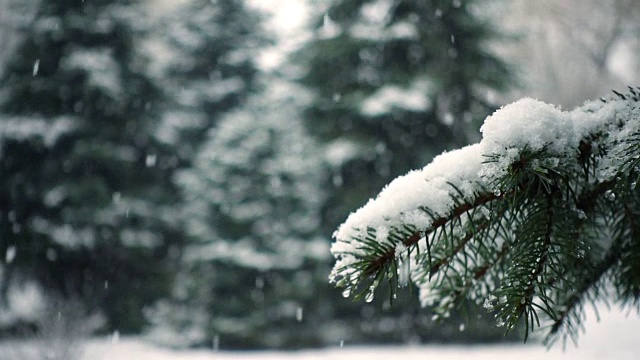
(85, 186)
(394, 83)
(247, 274)
(207, 67)
(534, 222)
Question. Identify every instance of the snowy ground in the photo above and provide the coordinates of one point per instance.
(616, 336)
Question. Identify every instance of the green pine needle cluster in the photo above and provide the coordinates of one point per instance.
(534, 246)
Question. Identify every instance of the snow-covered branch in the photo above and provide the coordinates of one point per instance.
(509, 222)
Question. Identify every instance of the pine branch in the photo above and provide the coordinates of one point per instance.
(553, 196)
(383, 259)
(464, 241)
(480, 272)
(575, 300)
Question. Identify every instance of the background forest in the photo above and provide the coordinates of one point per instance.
(177, 168)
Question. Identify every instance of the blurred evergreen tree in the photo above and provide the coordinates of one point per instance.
(85, 189)
(252, 203)
(242, 185)
(208, 67)
(396, 82)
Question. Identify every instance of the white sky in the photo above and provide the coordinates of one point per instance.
(288, 15)
(288, 21)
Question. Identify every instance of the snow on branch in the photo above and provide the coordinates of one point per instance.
(25, 128)
(509, 222)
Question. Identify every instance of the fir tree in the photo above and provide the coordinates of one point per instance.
(208, 68)
(85, 186)
(209, 73)
(534, 222)
(252, 209)
(396, 82)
